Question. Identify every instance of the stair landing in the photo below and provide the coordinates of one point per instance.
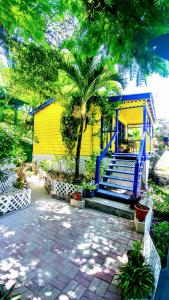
(111, 207)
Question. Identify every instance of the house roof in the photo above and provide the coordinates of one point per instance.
(136, 97)
(42, 106)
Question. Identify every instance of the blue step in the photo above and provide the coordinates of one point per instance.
(122, 166)
(125, 156)
(116, 186)
(121, 172)
(117, 178)
(115, 195)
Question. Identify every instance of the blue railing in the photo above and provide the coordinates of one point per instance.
(139, 164)
(99, 159)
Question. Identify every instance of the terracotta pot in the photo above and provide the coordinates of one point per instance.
(141, 212)
(77, 196)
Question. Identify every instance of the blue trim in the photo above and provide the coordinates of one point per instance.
(99, 158)
(40, 107)
(144, 127)
(117, 130)
(102, 131)
(131, 97)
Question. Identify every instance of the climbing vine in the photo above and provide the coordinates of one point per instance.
(70, 123)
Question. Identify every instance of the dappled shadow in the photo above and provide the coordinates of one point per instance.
(50, 249)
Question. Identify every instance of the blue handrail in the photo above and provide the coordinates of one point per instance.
(140, 156)
(99, 158)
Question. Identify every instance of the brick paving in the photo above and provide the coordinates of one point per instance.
(54, 251)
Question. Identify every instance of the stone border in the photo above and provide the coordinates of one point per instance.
(15, 200)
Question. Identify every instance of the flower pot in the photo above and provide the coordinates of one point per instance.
(121, 150)
(141, 212)
(77, 196)
(90, 194)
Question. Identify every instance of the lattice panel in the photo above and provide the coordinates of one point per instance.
(121, 175)
(14, 201)
(60, 189)
(7, 184)
(42, 173)
(7, 166)
(126, 168)
(126, 162)
(122, 183)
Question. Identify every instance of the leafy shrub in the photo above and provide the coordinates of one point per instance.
(160, 235)
(7, 294)
(10, 144)
(135, 278)
(160, 199)
(21, 180)
(90, 167)
(89, 186)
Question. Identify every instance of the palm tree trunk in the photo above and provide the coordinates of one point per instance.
(78, 148)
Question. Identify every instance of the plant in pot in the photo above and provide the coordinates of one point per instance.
(135, 278)
(77, 195)
(89, 190)
(141, 211)
(121, 148)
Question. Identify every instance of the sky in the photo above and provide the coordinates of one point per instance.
(159, 87)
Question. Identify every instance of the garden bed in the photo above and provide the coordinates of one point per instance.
(17, 199)
(59, 189)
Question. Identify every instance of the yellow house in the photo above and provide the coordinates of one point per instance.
(129, 122)
(128, 137)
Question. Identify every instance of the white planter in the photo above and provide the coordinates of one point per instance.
(60, 188)
(77, 203)
(42, 173)
(15, 200)
(7, 184)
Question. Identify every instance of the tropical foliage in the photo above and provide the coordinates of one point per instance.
(135, 278)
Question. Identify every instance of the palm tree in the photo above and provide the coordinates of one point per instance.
(89, 75)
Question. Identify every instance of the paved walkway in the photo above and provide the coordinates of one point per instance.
(53, 251)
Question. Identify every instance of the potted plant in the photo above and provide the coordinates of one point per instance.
(121, 148)
(135, 278)
(141, 211)
(89, 190)
(77, 195)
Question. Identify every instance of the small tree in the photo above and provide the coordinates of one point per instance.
(89, 74)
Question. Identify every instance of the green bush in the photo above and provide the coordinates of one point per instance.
(160, 198)
(90, 167)
(10, 144)
(135, 278)
(160, 235)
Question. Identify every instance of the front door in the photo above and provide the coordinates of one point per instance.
(121, 132)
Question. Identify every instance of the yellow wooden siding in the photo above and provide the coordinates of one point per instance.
(47, 130)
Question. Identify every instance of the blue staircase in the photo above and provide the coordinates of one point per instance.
(117, 183)
(122, 178)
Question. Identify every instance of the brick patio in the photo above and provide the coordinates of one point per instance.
(53, 251)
